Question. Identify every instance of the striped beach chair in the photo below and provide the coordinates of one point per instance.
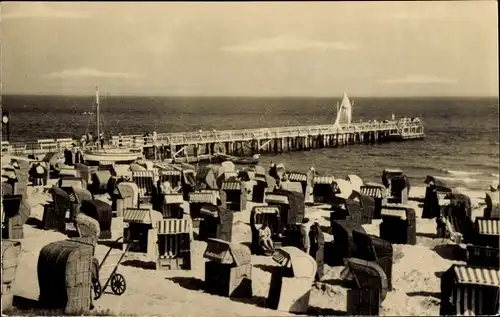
(234, 195)
(373, 248)
(323, 189)
(290, 287)
(228, 271)
(140, 231)
(259, 216)
(171, 176)
(369, 289)
(492, 209)
(197, 200)
(456, 224)
(484, 247)
(216, 222)
(379, 193)
(145, 183)
(298, 177)
(128, 195)
(172, 206)
(398, 224)
(174, 244)
(470, 290)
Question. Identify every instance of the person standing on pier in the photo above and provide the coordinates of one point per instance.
(101, 137)
(83, 140)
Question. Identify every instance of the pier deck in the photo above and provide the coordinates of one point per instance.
(192, 146)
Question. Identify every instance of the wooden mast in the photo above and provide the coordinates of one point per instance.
(98, 116)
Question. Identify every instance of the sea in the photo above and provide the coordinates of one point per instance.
(461, 143)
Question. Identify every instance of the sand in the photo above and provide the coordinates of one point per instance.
(180, 293)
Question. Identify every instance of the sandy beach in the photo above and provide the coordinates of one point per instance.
(180, 293)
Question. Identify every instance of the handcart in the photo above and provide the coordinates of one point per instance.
(113, 279)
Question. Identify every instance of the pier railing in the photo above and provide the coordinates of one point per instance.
(204, 137)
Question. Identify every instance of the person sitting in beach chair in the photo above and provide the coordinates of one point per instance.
(165, 188)
(265, 238)
(178, 188)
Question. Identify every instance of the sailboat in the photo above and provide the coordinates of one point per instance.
(93, 156)
(344, 111)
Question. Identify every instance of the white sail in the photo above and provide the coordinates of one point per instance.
(344, 112)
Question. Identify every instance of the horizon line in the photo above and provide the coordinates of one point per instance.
(339, 96)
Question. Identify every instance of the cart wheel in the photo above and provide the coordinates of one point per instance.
(118, 285)
(97, 290)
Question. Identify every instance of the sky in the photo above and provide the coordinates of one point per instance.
(322, 49)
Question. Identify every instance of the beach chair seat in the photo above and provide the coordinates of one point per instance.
(100, 211)
(379, 194)
(100, 181)
(367, 204)
(370, 281)
(15, 212)
(64, 271)
(140, 232)
(52, 219)
(398, 185)
(228, 271)
(398, 224)
(323, 189)
(198, 200)
(492, 209)
(87, 227)
(10, 251)
(258, 216)
(291, 205)
(455, 224)
(290, 287)
(145, 183)
(234, 195)
(375, 249)
(298, 177)
(469, 289)
(363, 302)
(346, 209)
(171, 206)
(174, 244)
(483, 247)
(127, 197)
(343, 245)
(216, 223)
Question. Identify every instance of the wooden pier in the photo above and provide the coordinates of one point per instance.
(195, 146)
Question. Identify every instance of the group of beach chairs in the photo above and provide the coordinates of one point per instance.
(162, 204)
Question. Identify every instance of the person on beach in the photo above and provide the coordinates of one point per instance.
(101, 139)
(314, 238)
(166, 188)
(178, 188)
(304, 234)
(83, 141)
(265, 237)
(309, 199)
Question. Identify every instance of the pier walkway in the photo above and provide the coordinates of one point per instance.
(240, 142)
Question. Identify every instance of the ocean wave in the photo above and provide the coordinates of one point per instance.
(459, 173)
(461, 179)
(494, 175)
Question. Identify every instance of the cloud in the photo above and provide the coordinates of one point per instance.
(288, 43)
(419, 79)
(88, 73)
(40, 10)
